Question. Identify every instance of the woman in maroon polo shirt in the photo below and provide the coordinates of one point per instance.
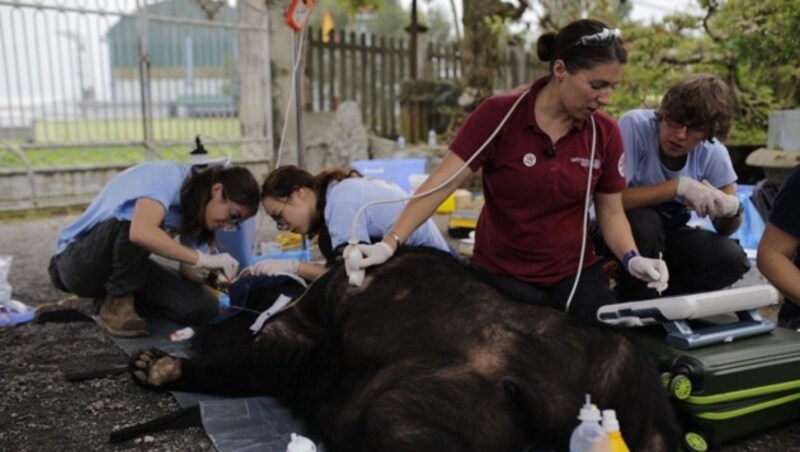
(531, 231)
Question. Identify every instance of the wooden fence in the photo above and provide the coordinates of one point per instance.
(369, 69)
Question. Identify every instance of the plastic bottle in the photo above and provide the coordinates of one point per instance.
(589, 436)
(300, 443)
(5, 287)
(431, 138)
(613, 434)
(199, 155)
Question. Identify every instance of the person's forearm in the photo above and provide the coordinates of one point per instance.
(781, 272)
(617, 233)
(160, 243)
(309, 271)
(614, 224)
(418, 210)
(649, 195)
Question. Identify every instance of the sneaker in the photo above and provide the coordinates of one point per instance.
(118, 316)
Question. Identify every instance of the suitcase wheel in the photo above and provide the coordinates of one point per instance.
(666, 377)
(680, 386)
(695, 442)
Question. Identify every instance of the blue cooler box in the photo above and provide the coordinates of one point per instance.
(396, 171)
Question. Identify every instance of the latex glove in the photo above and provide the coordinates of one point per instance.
(222, 261)
(375, 254)
(652, 271)
(193, 272)
(270, 267)
(699, 197)
(725, 205)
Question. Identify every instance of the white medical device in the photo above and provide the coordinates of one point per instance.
(675, 312)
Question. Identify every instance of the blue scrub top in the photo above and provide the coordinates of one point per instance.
(160, 181)
(345, 198)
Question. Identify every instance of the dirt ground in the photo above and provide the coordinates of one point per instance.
(41, 411)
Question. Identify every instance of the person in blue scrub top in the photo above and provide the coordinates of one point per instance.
(105, 253)
(675, 163)
(325, 205)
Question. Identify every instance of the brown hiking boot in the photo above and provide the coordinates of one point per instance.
(119, 318)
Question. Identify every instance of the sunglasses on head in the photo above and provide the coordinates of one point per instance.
(604, 37)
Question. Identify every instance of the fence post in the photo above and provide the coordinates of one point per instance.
(417, 52)
(144, 81)
(518, 68)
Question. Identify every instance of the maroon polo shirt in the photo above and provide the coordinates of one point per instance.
(531, 224)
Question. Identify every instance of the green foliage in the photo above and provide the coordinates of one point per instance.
(752, 44)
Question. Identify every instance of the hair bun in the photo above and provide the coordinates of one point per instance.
(546, 46)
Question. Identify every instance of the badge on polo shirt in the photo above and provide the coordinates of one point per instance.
(529, 160)
(621, 165)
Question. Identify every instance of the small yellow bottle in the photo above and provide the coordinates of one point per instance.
(614, 436)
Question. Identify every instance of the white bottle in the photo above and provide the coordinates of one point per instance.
(5, 287)
(401, 142)
(589, 436)
(300, 443)
(431, 138)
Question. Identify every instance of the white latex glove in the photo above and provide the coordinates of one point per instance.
(270, 267)
(652, 271)
(699, 197)
(725, 205)
(375, 254)
(223, 261)
(193, 273)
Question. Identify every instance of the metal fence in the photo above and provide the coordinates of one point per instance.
(370, 70)
(92, 82)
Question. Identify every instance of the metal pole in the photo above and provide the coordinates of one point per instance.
(298, 99)
(144, 74)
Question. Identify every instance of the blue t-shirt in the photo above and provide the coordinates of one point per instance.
(160, 181)
(707, 161)
(345, 198)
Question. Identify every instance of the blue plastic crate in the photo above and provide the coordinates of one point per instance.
(397, 171)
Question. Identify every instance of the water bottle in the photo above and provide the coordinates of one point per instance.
(615, 443)
(431, 138)
(401, 142)
(5, 287)
(589, 436)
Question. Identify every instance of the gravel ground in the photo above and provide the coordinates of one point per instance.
(41, 411)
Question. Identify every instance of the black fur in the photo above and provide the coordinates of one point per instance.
(426, 357)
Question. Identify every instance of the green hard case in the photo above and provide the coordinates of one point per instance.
(729, 391)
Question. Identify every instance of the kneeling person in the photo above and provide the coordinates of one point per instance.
(674, 163)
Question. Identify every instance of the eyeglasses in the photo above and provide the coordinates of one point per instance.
(604, 37)
(234, 218)
(277, 216)
(690, 129)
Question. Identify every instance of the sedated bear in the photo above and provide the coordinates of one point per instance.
(425, 356)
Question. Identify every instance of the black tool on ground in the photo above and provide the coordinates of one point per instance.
(62, 316)
(96, 373)
(183, 418)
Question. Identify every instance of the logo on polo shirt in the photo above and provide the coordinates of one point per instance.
(621, 165)
(529, 160)
(584, 162)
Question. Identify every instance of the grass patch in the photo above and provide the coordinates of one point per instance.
(97, 131)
